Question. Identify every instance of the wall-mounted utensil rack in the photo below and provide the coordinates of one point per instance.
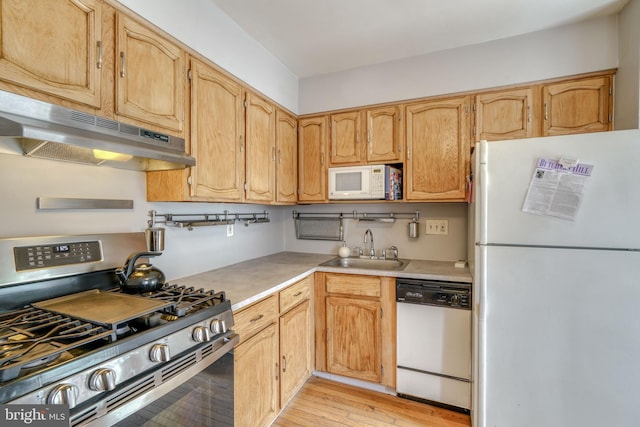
(189, 221)
(362, 216)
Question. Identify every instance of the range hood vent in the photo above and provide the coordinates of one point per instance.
(39, 129)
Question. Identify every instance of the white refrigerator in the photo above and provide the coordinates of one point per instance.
(556, 308)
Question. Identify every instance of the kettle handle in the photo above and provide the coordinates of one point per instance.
(129, 265)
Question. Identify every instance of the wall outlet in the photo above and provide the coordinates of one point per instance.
(437, 226)
(229, 230)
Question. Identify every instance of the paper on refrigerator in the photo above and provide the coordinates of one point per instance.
(557, 187)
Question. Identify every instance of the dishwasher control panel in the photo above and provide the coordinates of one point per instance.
(432, 292)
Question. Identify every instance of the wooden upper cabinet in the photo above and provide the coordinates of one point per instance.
(507, 114)
(312, 168)
(150, 79)
(287, 157)
(53, 47)
(260, 154)
(345, 146)
(384, 135)
(437, 149)
(217, 137)
(577, 106)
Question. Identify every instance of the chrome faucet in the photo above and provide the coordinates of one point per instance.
(372, 251)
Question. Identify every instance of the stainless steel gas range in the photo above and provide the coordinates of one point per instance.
(69, 334)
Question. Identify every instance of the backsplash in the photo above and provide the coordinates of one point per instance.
(450, 247)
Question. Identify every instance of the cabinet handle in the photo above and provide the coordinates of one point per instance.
(546, 112)
(241, 144)
(277, 371)
(297, 294)
(99, 64)
(258, 317)
(529, 113)
(273, 153)
(284, 363)
(408, 154)
(123, 70)
(369, 142)
(279, 156)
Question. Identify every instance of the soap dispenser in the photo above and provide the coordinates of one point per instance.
(344, 250)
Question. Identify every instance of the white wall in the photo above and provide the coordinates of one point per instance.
(579, 48)
(627, 96)
(186, 252)
(451, 247)
(201, 25)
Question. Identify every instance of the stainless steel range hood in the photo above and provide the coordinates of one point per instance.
(38, 129)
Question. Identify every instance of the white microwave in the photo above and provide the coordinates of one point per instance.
(357, 182)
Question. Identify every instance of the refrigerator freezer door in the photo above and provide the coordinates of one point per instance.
(608, 215)
(558, 338)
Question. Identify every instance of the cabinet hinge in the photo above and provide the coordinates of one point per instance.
(610, 90)
(474, 108)
(189, 74)
(245, 186)
(189, 180)
(381, 312)
(244, 103)
(609, 118)
(399, 117)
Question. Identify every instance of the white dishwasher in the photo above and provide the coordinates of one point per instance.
(434, 342)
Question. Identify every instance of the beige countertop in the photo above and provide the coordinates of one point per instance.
(252, 280)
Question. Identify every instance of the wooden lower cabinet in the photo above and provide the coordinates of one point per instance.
(354, 338)
(355, 326)
(274, 357)
(295, 350)
(256, 374)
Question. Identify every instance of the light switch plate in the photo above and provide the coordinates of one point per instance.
(437, 226)
(229, 230)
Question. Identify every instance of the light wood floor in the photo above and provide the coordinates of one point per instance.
(325, 403)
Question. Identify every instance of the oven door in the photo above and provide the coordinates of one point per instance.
(189, 387)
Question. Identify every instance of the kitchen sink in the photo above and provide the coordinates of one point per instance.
(368, 263)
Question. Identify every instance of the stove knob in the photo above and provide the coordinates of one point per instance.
(63, 394)
(218, 326)
(103, 380)
(201, 334)
(160, 353)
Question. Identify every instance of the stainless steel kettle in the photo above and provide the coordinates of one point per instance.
(142, 277)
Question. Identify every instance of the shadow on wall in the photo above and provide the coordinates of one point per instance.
(450, 247)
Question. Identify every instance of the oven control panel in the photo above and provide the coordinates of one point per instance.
(56, 254)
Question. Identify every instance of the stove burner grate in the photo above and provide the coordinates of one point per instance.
(32, 337)
(187, 299)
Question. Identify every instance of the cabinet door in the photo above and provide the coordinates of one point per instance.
(53, 47)
(260, 150)
(312, 169)
(384, 135)
(354, 338)
(345, 144)
(437, 149)
(287, 158)
(150, 77)
(577, 107)
(295, 350)
(509, 114)
(256, 374)
(216, 135)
